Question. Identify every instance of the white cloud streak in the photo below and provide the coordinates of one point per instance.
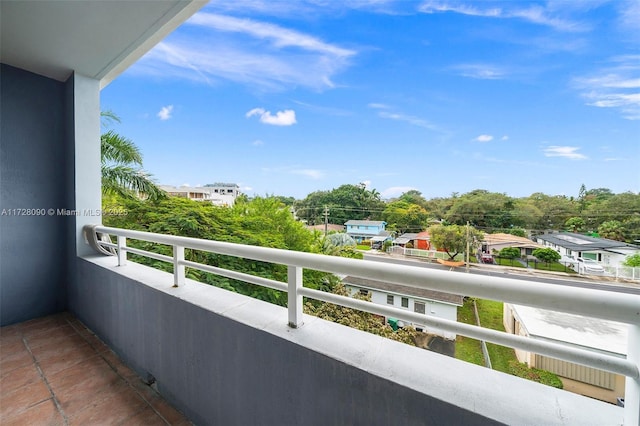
(509, 10)
(481, 71)
(246, 51)
(165, 112)
(569, 152)
(281, 118)
(396, 191)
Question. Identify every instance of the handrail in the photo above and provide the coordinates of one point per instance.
(613, 306)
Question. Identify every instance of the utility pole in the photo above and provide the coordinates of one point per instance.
(468, 244)
(326, 220)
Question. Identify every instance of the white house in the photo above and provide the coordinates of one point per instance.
(595, 334)
(429, 302)
(219, 194)
(604, 251)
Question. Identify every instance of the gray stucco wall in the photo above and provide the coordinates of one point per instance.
(223, 358)
(35, 172)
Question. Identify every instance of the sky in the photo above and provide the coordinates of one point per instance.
(291, 97)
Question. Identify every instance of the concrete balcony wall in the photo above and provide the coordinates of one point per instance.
(224, 358)
(36, 174)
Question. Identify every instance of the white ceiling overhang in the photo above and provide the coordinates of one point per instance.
(98, 39)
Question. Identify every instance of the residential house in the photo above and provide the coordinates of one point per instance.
(424, 301)
(421, 240)
(373, 230)
(218, 356)
(219, 194)
(594, 334)
(493, 243)
(571, 246)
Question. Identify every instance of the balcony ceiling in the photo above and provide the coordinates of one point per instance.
(98, 39)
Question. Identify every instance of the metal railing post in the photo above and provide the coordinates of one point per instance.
(122, 250)
(178, 266)
(294, 299)
(632, 384)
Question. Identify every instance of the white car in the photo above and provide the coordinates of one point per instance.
(589, 266)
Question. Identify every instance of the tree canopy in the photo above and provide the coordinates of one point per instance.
(453, 239)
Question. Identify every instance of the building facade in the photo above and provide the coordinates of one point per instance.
(219, 194)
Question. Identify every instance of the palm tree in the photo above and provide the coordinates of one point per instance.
(122, 172)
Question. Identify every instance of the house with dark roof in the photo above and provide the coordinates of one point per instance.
(495, 242)
(373, 230)
(604, 251)
(429, 302)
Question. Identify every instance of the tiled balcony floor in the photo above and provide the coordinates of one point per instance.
(54, 371)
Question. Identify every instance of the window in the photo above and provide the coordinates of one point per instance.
(390, 299)
(405, 302)
(418, 307)
(364, 292)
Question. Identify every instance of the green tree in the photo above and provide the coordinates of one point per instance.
(546, 255)
(122, 171)
(347, 202)
(484, 209)
(575, 224)
(403, 216)
(632, 260)
(510, 252)
(452, 239)
(613, 230)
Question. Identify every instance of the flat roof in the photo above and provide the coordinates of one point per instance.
(594, 333)
(437, 296)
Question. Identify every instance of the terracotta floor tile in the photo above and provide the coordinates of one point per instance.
(11, 346)
(116, 363)
(94, 341)
(16, 359)
(42, 414)
(168, 413)
(57, 346)
(69, 357)
(146, 417)
(113, 408)
(78, 386)
(13, 403)
(14, 379)
(56, 335)
(40, 325)
(10, 331)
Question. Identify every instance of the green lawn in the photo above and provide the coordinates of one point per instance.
(557, 267)
(363, 247)
(468, 349)
(509, 262)
(490, 313)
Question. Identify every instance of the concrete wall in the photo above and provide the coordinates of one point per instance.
(36, 172)
(224, 358)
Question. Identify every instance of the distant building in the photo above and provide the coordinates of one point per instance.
(421, 240)
(219, 194)
(423, 301)
(571, 246)
(373, 230)
(596, 334)
(496, 242)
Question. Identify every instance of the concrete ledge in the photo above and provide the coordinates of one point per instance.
(225, 358)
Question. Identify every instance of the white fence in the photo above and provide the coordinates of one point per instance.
(619, 307)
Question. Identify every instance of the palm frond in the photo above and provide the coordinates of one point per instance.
(128, 182)
(118, 149)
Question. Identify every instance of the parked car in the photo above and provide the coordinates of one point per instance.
(589, 266)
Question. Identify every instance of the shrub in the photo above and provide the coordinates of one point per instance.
(521, 369)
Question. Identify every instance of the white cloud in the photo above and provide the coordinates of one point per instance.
(481, 71)
(484, 138)
(310, 173)
(367, 183)
(257, 142)
(246, 51)
(616, 86)
(504, 138)
(281, 118)
(396, 191)
(569, 152)
(165, 112)
(375, 105)
(510, 10)
(416, 121)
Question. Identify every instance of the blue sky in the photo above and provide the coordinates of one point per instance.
(291, 97)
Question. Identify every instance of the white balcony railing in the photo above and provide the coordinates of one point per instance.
(607, 305)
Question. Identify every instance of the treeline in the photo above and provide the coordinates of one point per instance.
(596, 211)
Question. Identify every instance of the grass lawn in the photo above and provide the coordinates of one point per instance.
(557, 267)
(363, 247)
(509, 262)
(468, 349)
(490, 313)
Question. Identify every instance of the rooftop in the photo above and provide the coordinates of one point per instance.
(579, 242)
(421, 293)
(55, 371)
